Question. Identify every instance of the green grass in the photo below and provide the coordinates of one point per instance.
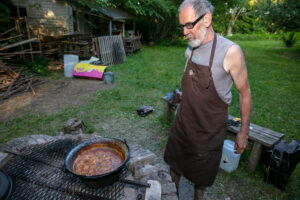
(274, 76)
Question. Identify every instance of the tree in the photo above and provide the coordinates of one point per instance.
(280, 15)
(226, 13)
(235, 12)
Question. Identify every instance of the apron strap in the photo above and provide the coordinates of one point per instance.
(192, 53)
(212, 54)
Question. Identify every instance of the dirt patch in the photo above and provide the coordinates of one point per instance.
(51, 97)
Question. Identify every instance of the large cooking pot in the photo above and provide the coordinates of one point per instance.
(99, 180)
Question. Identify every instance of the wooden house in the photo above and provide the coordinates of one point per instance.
(56, 17)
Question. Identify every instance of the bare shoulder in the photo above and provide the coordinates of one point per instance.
(234, 59)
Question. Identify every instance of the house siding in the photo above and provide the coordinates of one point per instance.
(48, 17)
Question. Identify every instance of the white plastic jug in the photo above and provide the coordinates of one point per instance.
(70, 62)
(230, 160)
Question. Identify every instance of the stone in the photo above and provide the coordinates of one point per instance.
(162, 177)
(130, 193)
(74, 126)
(168, 188)
(60, 133)
(141, 157)
(169, 197)
(3, 157)
(154, 192)
(148, 169)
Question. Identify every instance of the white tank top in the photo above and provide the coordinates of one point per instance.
(222, 80)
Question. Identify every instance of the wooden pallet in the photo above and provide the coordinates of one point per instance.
(109, 49)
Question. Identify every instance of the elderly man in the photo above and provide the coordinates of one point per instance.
(194, 147)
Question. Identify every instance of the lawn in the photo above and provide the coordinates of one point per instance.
(152, 72)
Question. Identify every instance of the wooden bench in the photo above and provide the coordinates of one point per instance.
(258, 135)
(169, 108)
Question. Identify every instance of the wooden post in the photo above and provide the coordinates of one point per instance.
(28, 34)
(167, 112)
(254, 157)
(123, 29)
(110, 27)
(19, 30)
(40, 44)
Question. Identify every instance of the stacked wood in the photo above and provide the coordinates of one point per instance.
(24, 45)
(132, 44)
(12, 82)
(57, 46)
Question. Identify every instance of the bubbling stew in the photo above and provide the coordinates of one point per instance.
(96, 161)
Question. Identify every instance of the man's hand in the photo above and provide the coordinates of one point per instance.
(241, 142)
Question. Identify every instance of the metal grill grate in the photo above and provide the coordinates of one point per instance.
(37, 174)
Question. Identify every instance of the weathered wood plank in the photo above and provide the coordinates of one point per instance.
(265, 140)
(19, 43)
(260, 129)
(267, 131)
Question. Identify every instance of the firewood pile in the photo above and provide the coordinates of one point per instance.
(16, 42)
(57, 46)
(14, 79)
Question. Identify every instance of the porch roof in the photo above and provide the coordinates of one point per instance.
(115, 13)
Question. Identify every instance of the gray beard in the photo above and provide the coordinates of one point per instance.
(197, 42)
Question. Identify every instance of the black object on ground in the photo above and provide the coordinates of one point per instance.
(280, 162)
(143, 111)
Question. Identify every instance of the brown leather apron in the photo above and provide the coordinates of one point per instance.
(194, 147)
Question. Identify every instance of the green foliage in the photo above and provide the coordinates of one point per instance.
(39, 65)
(289, 39)
(6, 9)
(254, 36)
(280, 15)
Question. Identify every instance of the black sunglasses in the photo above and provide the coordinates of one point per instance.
(191, 25)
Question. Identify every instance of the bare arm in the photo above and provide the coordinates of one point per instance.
(234, 63)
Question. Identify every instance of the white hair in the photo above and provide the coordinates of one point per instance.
(200, 6)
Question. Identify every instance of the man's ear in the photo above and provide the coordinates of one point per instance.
(207, 19)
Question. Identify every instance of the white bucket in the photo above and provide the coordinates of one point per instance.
(230, 160)
(70, 62)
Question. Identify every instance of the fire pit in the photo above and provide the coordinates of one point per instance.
(38, 173)
(35, 165)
